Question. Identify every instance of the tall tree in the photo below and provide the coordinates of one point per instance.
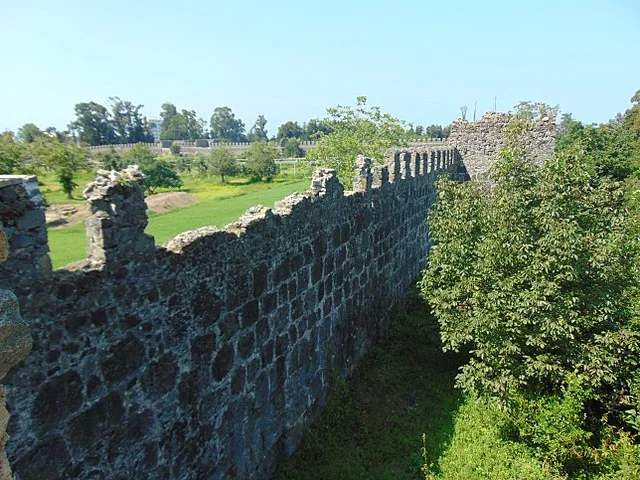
(226, 127)
(28, 132)
(258, 131)
(11, 153)
(168, 112)
(360, 130)
(194, 126)
(93, 124)
(129, 125)
(290, 129)
(315, 128)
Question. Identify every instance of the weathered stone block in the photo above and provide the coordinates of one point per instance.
(57, 399)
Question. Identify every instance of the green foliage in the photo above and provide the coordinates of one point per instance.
(531, 275)
(226, 127)
(93, 124)
(66, 160)
(356, 131)
(110, 159)
(537, 279)
(292, 149)
(290, 129)
(11, 154)
(480, 450)
(29, 132)
(128, 124)
(261, 161)
(158, 173)
(222, 162)
(182, 125)
(431, 131)
(175, 149)
(259, 131)
(372, 425)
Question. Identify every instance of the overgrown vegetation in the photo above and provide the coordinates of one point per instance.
(538, 280)
(356, 131)
(372, 427)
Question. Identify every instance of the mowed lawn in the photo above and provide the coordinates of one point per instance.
(219, 204)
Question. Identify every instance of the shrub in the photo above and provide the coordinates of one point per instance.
(261, 161)
(222, 162)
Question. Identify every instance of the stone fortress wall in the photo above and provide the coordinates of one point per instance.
(205, 146)
(208, 358)
(479, 143)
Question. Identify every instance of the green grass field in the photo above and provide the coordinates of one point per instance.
(219, 204)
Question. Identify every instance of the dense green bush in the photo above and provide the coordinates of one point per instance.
(158, 172)
(261, 161)
(222, 162)
(537, 277)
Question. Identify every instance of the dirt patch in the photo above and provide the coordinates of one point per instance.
(163, 202)
(67, 214)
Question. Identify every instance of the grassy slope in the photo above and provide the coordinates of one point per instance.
(219, 205)
(403, 389)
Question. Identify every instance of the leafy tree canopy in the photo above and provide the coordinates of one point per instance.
(356, 131)
(261, 161)
(222, 162)
(93, 124)
(65, 159)
(11, 153)
(158, 173)
(29, 132)
(226, 127)
(292, 149)
(129, 125)
(290, 129)
(258, 131)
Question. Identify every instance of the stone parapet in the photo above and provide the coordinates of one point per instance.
(22, 218)
(15, 345)
(210, 357)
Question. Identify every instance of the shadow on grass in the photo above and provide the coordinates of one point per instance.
(372, 426)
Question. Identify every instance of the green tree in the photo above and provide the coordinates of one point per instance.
(65, 159)
(29, 132)
(292, 149)
(158, 173)
(314, 128)
(534, 277)
(129, 125)
(222, 162)
(261, 161)
(110, 159)
(290, 129)
(93, 124)
(258, 131)
(226, 127)
(194, 125)
(168, 112)
(357, 131)
(11, 154)
(176, 128)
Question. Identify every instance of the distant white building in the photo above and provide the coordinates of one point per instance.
(154, 126)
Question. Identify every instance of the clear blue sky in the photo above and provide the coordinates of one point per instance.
(419, 60)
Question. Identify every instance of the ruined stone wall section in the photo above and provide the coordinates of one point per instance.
(209, 358)
(479, 143)
(23, 220)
